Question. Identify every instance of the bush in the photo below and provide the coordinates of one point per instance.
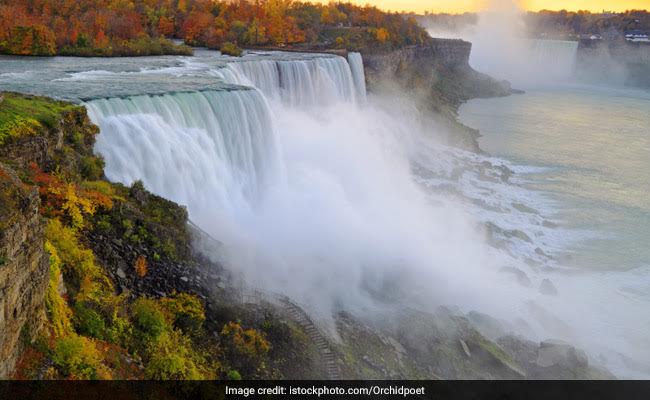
(141, 266)
(185, 310)
(57, 309)
(86, 279)
(77, 357)
(234, 375)
(231, 49)
(92, 168)
(246, 348)
(149, 318)
(172, 358)
(88, 322)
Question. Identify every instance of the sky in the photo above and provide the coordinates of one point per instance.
(459, 6)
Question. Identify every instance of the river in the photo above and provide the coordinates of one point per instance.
(586, 149)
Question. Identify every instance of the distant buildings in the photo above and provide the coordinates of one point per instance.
(637, 36)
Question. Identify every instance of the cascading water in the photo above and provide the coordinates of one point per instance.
(297, 83)
(199, 149)
(557, 56)
(356, 65)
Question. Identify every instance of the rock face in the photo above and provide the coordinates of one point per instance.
(23, 268)
(621, 62)
(438, 76)
(24, 263)
(450, 53)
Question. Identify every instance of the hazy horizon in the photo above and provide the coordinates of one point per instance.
(461, 6)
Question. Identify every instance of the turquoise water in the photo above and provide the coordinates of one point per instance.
(590, 152)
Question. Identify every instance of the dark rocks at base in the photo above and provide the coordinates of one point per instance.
(555, 353)
(547, 288)
(519, 275)
(164, 276)
(551, 359)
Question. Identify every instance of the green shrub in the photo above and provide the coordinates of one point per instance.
(88, 322)
(234, 375)
(172, 357)
(231, 49)
(185, 310)
(92, 168)
(149, 318)
(76, 357)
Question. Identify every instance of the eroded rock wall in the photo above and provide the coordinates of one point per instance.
(24, 268)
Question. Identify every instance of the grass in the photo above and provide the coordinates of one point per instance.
(22, 115)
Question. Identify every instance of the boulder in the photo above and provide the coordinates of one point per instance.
(519, 275)
(547, 288)
(559, 354)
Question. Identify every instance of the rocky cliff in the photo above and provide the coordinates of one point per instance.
(621, 62)
(23, 268)
(438, 76)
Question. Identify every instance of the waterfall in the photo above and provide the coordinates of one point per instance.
(218, 149)
(557, 56)
(301, 83)
(358, 75)
(201, 149)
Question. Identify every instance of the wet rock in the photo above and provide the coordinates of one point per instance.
(121, 273)
(549, 224)
(463, 345)
(522, 350)
(523, 208)
(555, 353)
(547, 288)
(490, 327)
(547, 319)
(518, 274)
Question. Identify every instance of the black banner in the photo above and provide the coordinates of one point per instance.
(198, 390)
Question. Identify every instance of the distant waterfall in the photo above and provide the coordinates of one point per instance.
(358, 75)
(558, 57)
(199, 149)
(297, 83)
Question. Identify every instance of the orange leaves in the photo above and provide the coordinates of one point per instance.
(249, 342)
(382, 35)
(141, 267)
(67, 200)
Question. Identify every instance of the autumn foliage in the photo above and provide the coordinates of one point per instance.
(66, 199)
(141, 266)
(139, 27)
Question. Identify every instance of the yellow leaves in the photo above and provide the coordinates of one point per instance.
(67, 199)
(58, 311)
(186, 310)
(78, 358)
(91, 281)
(18, 127)
(382, 35)
(73, 205)
(250, 342)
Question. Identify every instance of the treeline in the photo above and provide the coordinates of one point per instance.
(143, 27)
(545, 23)
(575, 23)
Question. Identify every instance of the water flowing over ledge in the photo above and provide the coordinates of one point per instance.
(300, 83)
(196, 148)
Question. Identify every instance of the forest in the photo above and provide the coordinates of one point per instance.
(561, 24)
(145, 27)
